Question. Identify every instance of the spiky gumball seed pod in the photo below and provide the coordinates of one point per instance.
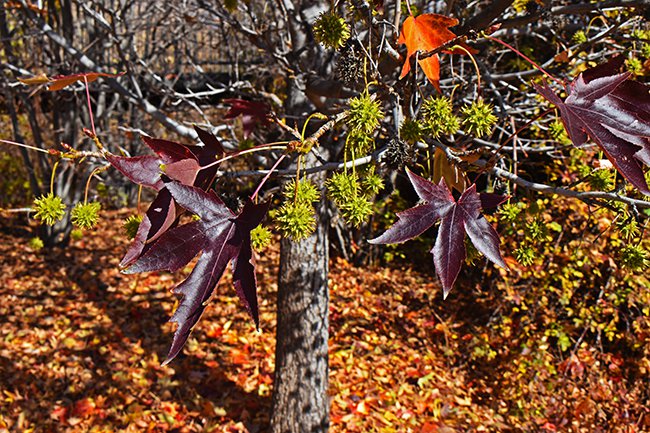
(398, 154)
(479, 118)
(85, 215)
(349, 67)
(131, 225)
(364, 114)
(49, 209)
(331, 30)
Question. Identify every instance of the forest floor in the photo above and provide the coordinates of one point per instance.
(81, 347)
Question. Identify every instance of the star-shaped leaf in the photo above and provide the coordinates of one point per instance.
(457, 218)
(191, 165)
(424, 33)
(614, 112)
(220, 237)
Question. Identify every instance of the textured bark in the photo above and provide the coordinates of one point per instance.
(300, 398)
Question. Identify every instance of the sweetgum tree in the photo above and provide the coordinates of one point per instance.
(336, 101)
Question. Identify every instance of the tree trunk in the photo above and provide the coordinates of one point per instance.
(300, 398)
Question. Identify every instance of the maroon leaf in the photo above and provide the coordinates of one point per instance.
(220, 237)
(614, 112)
(253, 113)
(457, 218)
(190, 165)
(142, 170)
(159, 217)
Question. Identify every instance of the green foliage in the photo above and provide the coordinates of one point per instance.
(331, 30)
(85, 215)
(364, 114)
(131, 225)
(49, 209)
(479, 118)
(260, 238)
(439, 118)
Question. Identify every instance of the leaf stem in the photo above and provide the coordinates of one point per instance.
(266, 146)
(27, 146)
(90, 109)
(520, 54)
(259, 187)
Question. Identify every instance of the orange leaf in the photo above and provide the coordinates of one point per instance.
(426, 32)
(36, 79)
(62, 81)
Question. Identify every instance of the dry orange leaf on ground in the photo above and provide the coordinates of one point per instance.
(424, 33)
